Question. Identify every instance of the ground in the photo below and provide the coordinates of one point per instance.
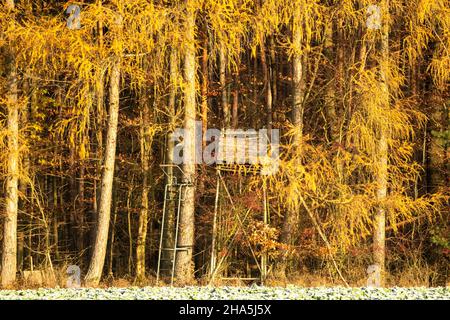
(230, 293)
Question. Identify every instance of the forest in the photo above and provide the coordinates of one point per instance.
(107, 106)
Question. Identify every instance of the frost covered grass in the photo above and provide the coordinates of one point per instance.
(230, 293)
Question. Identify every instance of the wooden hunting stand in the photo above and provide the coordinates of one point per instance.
(228, 162)
(236, 150)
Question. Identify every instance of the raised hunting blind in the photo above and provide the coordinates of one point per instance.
(240, 155)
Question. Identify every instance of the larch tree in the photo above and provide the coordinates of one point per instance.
(299, 45)
(184, 267)
(224, 86)
(379, 237)
(145, 147)
(99, 121)
(9, 249)
(168, 241)
(104, 211)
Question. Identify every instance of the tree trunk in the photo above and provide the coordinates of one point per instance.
(99, 252)
(255, 96)
(274, 71)
(330, 95)
(100, 97)
(26, 166)
(9, 252)
(235, 94)
(235, 115)
(144, 211)
(81, 210)
(298, 92)
(223, 86)
(184, 268)
(436, 153)
(379, 245)
(169, 223)
(205, 84)
(267, 88)
(340, 63)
